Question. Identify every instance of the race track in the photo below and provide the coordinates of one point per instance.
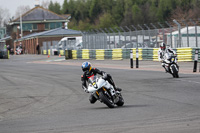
(40, 95)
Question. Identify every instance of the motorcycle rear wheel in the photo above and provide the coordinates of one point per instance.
(105, 99)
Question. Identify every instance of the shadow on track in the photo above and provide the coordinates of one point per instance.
(125, 106)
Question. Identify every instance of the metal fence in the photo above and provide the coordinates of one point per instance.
(176, 35)
(180, 34)
(62, 45)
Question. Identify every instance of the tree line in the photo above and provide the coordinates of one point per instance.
(95, 14)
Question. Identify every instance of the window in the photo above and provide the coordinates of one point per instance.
(52, 25)
(26, 27)
(46, 26)
(35, 27)
(55, 25)
(58, 24)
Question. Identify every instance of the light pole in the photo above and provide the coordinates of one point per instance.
(21, 24)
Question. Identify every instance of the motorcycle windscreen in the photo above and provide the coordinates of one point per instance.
(92, 78)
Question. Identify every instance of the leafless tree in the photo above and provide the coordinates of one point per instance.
(21, 10)
(45, 4)
(181, 14)
(4, 16)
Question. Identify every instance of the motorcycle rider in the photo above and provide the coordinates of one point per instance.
(163, 55)
(89, 71)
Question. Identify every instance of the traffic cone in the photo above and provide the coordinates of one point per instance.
(59, 55)
(48, 56)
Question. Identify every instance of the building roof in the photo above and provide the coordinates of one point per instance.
(4, 39)
(53, 32)
(40, 14)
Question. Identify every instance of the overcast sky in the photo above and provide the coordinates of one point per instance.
(12, 5)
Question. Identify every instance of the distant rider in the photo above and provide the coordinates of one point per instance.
(89, 71)
(163, 55)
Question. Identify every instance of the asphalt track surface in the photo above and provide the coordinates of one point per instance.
(44, 95)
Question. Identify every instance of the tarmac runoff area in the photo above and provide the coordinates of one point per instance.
(185, 67)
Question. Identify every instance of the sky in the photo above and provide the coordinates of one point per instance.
(12, 5)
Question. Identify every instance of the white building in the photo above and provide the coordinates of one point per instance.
(188, 37)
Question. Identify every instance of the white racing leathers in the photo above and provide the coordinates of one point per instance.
(164, 56)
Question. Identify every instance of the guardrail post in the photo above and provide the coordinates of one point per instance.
(196, 60)
(131, 58)
(137, 56)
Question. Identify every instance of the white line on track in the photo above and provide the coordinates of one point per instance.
(55, 60)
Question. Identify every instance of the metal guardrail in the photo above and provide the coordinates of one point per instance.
(184, 54)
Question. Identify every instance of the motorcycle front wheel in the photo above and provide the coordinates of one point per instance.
(120, 102)
(105, 99)
(175, 72)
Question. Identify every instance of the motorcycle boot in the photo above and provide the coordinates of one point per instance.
(115, 87)
(164, 65)
(165, 69)
(118, 89)
(110, 80)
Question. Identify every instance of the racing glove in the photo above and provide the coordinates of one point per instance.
(85, 89)
(105, 76)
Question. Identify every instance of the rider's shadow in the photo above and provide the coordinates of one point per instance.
(134, 106)
(121, 107)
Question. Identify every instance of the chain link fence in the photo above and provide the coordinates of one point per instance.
(143, 36)
(176, 35)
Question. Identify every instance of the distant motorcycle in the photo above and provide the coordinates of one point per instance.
(103, 91)
(173, 66)
(18, 51)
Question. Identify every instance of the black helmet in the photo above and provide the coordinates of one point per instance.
(86, 66)
(162, 46)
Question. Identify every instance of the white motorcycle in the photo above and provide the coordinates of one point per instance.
(172, 66)
(18, 51)
(103, 91)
